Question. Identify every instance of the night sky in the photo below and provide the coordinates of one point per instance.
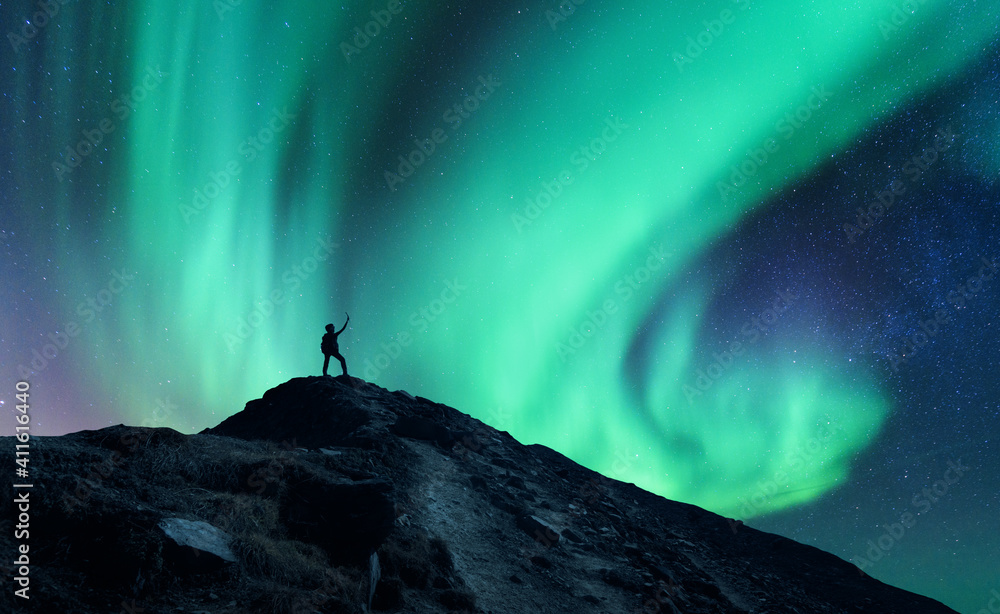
(742, 253)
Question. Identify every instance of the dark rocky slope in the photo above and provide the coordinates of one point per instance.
(335, 495)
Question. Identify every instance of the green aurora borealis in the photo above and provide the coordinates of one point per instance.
(246, 193)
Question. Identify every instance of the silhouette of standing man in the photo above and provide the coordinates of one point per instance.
(330, 347)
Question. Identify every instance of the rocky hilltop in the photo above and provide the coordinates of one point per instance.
(335, 495)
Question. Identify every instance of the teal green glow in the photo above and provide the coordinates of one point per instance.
(493, 351)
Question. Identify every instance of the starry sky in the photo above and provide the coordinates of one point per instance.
(740, 253)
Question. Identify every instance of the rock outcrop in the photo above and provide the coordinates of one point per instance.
(335, 495)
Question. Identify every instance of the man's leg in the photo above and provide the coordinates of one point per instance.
(326, 362)
(343, 363)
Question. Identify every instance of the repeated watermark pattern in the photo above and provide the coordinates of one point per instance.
(99, 472)
(420, 320)
(923, 502)
(249, 149)
(624, 288)
(454, 117)
(901, 14)
(912, 169)
(292, 279)
(225, 6)
(786, 128)
(565, 9)
(72, 156)
(753, 330)
(365, 34)
(163, 411)
(993, 605)
(914, 343)
(580, 160)
(794, 463)
(714, 28)
(48, 10)
(88, 309)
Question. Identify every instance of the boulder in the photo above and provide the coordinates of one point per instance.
(194, 546)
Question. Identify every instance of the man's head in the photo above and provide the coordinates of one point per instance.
(329, 328)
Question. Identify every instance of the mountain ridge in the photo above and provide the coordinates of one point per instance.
(335, 495)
